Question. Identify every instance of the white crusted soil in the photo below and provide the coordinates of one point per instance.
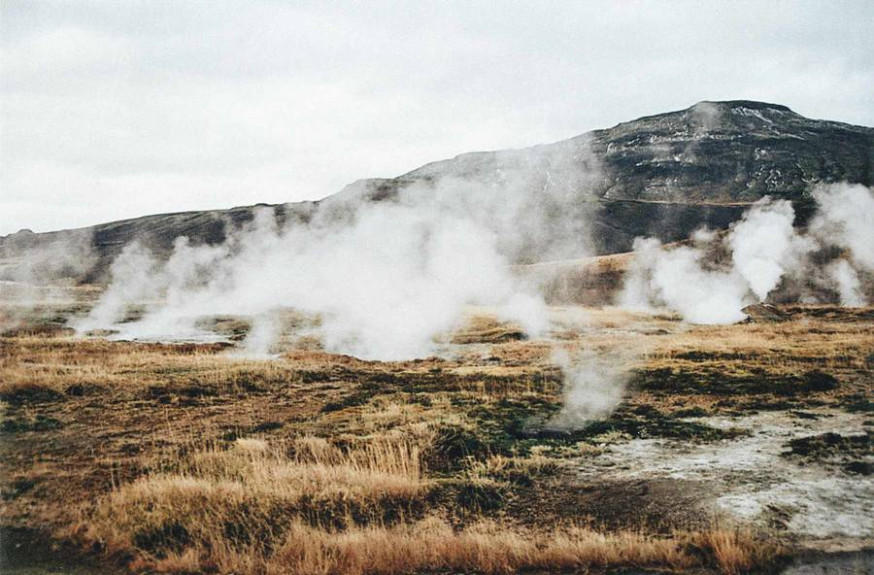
(751, 480)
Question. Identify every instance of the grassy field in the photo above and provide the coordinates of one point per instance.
(185, 458)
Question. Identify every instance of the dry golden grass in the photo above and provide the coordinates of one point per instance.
(735, 552)
(39, 363)
(487, 547)
(337, 470)
(384, 415)
(218, 499)
(536, 463)
(309, 506)
(484, 328)
(792, 344)
(252, 509)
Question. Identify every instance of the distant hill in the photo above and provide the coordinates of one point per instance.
(661, 176)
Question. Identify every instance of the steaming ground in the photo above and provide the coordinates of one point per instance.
(611, 418)
(712, 278)
(385, 281)
(668, 413)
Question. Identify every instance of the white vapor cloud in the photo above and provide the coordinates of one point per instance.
(384, 279)
(765, 246)
(594, 385)
(32, 275)
(848, 284)
(846, 219)
(679, 280)
(765, 250)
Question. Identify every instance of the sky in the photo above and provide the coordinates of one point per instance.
(121, 108)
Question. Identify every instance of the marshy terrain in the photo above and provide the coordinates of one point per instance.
(730, 449)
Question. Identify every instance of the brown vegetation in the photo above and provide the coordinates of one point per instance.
(323, 510)
(183, 458)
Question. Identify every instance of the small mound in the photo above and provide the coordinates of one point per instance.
(487, 330)
(764, 313)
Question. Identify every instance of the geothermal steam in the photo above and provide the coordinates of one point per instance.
(765, 250)
(384, 279)
(383, 286)
(38, 275)
(846, 219)
(594, 384)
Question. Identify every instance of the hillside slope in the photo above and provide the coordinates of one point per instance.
(661, 176)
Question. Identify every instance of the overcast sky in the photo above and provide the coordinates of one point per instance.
(114, 109)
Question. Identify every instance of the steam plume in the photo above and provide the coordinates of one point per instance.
(383, 278)
(594, 385)
(766, 249)
(31, 276)
(846, 219)
(765, 246)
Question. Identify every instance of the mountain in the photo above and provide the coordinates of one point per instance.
(662, 176)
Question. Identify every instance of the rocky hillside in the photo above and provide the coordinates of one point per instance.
(661, 176)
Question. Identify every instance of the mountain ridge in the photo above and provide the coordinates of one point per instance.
(662, 175)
